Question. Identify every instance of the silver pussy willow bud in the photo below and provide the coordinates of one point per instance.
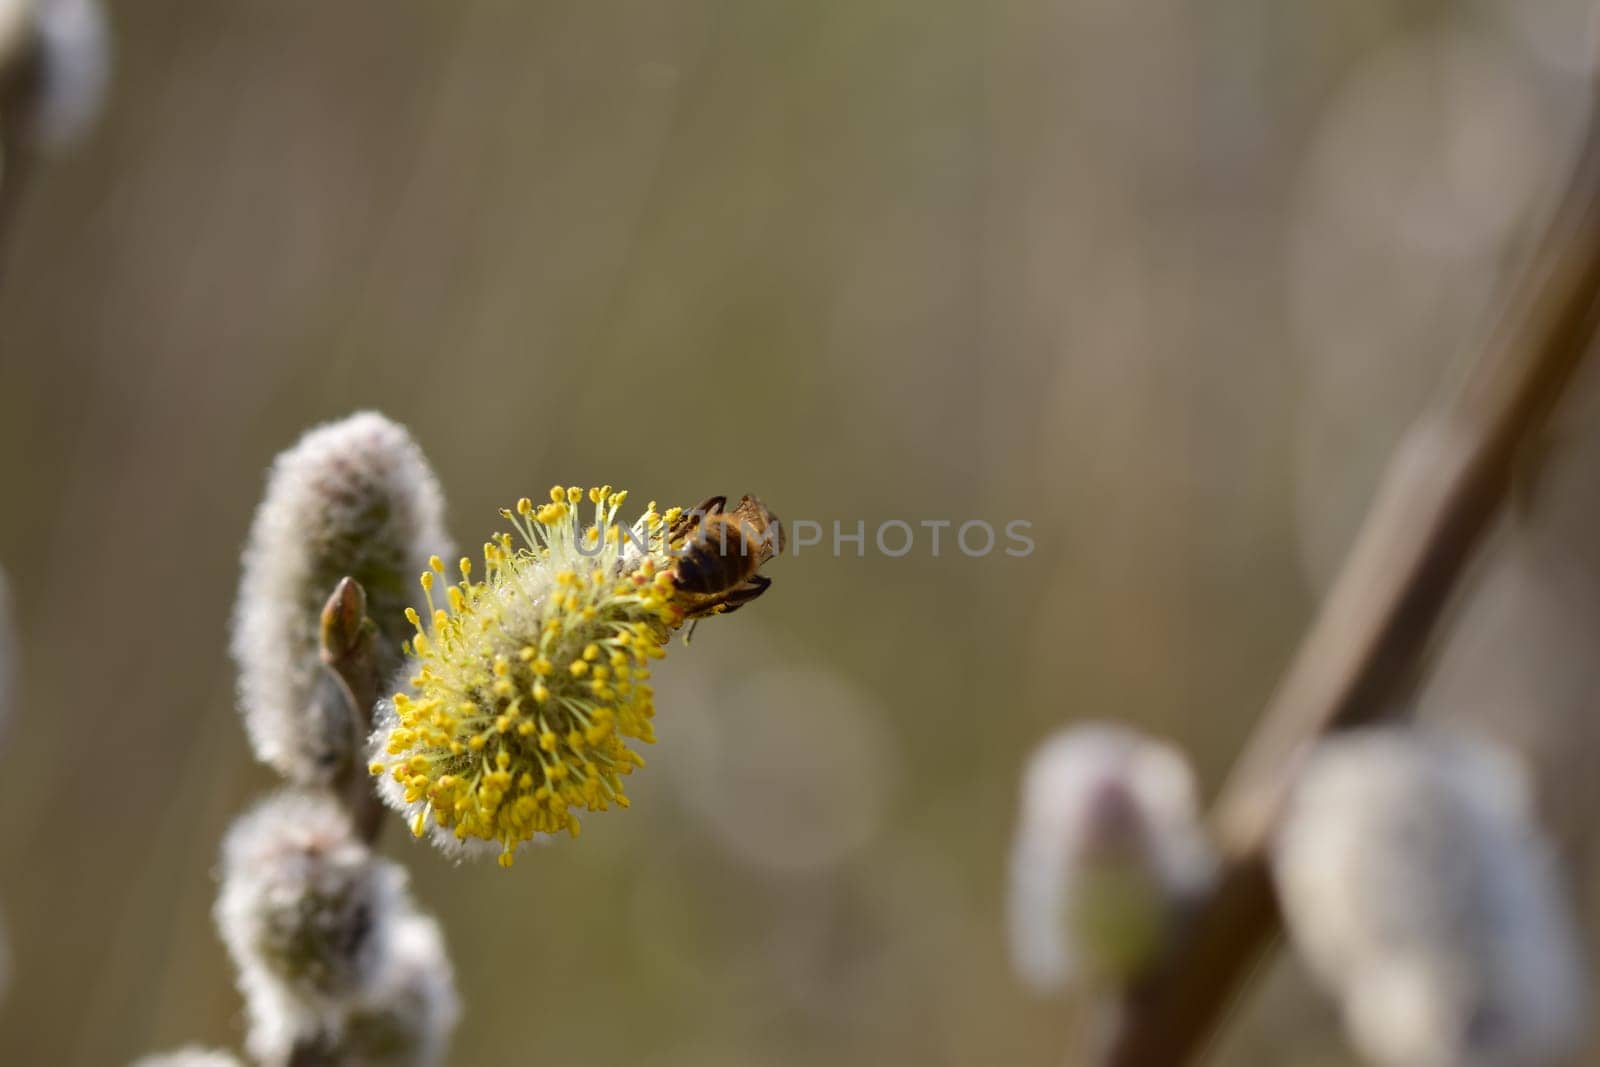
(1419, 891)
(64, 48)
(189, 1057)
(353, 498)
(1108, 852)
(16, 31)
(306, 912)
(74, 71)
(407, 1020)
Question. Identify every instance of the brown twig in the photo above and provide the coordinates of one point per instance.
(312, 1052)
(1362, 657)
(350, 652)
(19, 83)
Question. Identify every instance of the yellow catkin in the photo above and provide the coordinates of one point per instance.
(527, 680)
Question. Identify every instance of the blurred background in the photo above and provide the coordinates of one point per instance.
(1166, 279)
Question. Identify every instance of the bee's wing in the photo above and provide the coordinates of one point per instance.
(686, 522)
(760, 526)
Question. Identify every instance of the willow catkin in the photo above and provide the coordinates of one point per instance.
(354, 498)
(1108, 850)
(1419, 891)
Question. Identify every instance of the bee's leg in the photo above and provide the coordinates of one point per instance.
(732, 600)
(742, 594)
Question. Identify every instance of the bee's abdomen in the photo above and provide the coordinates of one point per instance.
(704, 570)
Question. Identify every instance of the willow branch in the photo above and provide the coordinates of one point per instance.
(1361, 659)
(19, 82)
(350, 652)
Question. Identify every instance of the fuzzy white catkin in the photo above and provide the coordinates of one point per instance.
(404, 1020)
(1108, 851)
(16, 27)
(73, 55)
(305, 910)
(75, 52)
(407, 1020)
(1419, 891)
(334, 962)
(354, 497)
(189, 1057)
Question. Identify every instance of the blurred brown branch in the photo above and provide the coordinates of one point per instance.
(19, 80)
(1362, 657)
(349, 650)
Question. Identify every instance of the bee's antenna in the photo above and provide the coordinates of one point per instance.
(688, 634)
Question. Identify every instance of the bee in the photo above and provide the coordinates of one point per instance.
(721, 552)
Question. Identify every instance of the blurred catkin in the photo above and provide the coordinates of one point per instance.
(352, 498)
(66, 46)
(74, 72)
(1418, 889)
(16, 30)
(326, 940)
(1108, 849)
(189, 1057)
(303, 899)
(407, 1017)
